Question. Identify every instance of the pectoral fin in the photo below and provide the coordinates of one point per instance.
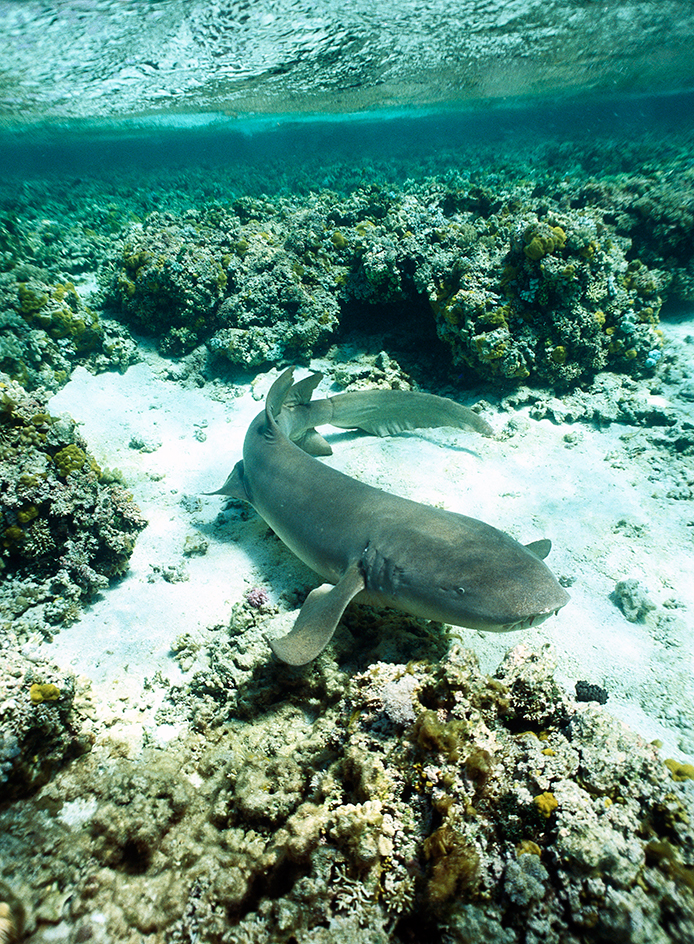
(234, 487)
(318, 618)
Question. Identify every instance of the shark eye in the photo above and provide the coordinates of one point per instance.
(460, 591)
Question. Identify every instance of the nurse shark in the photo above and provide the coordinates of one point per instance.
(372, 546)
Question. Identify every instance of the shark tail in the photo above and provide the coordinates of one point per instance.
(387, 412)
(290, 410)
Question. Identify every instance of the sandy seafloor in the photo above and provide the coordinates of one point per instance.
(594, 491)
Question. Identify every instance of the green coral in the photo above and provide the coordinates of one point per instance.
(442, 737)
(30, 300)
(26, 514)
(45, 328)
(60, 313)
(43, 691)
(679, 771)
(542, 240)
(70, 459)
(454, 866)
(546, 803)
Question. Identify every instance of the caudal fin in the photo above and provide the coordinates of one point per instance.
(387, 412)
(290, 409)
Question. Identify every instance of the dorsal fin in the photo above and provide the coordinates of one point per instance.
(277, 395)
(298, 416)
(540, 548)
(302, 391)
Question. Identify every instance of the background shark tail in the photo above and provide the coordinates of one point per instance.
(387, 412)
(290, 409)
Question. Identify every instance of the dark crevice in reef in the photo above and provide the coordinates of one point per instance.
(275, 884)
(136, 857)
(407, 323)
(406, 331)
(415, 929)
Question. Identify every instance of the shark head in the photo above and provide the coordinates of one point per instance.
(466, 573)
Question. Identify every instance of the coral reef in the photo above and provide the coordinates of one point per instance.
(45, 330)
(228, 278)
(656, 212)
(39, 726)
(545, 260)
(410, 801)
(548, 294)
(519, 287)
(168, 279)
(64, 533)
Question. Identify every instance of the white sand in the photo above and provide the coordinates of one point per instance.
(534, 484)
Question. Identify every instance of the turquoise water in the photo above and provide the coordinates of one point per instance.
(286, 148)
(279, 87)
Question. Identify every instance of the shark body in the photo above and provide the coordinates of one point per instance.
(368, 544)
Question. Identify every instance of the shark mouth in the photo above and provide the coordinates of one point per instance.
(529, 621)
